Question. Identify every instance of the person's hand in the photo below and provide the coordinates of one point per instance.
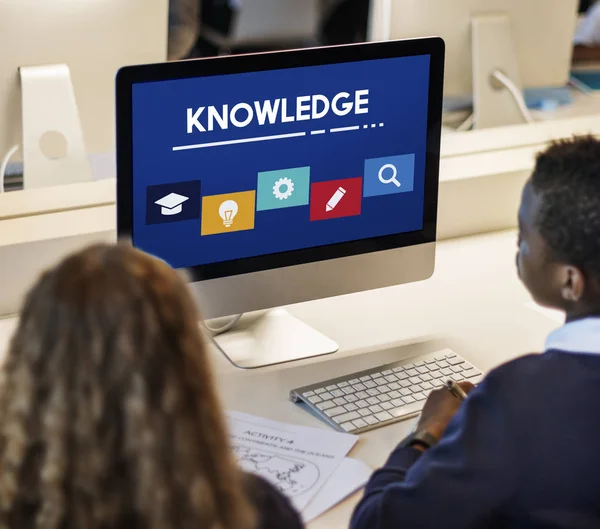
(439, 409)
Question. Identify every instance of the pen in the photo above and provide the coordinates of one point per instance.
(456, 390)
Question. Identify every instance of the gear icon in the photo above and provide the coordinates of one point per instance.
(286, 192)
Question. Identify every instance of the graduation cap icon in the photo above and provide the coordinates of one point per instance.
(171, 204)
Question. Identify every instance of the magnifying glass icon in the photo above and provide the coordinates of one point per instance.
(392, 179)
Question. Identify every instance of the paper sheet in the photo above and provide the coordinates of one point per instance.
(555, 315)
(295, 459)
(349, 477)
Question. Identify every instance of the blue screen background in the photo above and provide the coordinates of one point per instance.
(398, 97)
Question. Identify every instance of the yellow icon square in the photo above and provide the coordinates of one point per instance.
(227, 213)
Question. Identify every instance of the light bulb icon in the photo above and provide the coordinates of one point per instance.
(228, 210)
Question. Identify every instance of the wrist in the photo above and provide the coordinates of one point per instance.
(420, 440)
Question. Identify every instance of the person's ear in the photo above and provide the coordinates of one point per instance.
(573, 284)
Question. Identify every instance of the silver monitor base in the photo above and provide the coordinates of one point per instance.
(272, 337)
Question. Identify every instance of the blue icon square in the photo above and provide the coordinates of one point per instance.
(389, 175)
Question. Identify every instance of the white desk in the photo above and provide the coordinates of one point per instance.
(474, 303)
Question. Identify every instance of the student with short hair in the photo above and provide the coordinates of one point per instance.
(522, 450)
(109, 416)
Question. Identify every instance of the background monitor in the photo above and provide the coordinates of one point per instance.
(286, 177)
(530, 41)
(94, 39)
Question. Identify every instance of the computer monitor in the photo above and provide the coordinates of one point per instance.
(280, 178)
(530, 42)
(46, 45)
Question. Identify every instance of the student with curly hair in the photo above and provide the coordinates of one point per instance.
(109, 417)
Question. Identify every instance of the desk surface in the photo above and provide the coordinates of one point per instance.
(474, 303)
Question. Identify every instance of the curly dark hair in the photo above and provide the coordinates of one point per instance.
(567, 180)
(109, 418)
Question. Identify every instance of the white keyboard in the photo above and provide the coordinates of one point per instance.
(384, 395)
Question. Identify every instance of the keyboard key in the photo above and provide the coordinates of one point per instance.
(419, 396)
(373, 392)
(364, 413)
(447, 372)
(412, 372)
(332, 412)
(379, 381)
(435, 374)
(440, 358)
(406, 383)
(340, 401)
(397, 403)
(422, 370)
(456, 369)
(387, 372)
(405, 392)
(351, 407)
(394, 394)
(326, 405)
(394, 386)
(326, 396)
(360, 423)
(362, 404)
(391, 378)
(430, 361)
(470, 373)
(359, 387)
(419, 363)
(408, 400)
(406, 410)
(403, 376)
(426, 386)
(442, 364)
(319, 391)
(370, 384)
(450, 355)
(362, 394)
(332, 387)
(383, 416)
(373, 400)
(384, 388)
(386, 405)
(365, 378)
(398, 370)
(348, 426)
(371, 420)
(353, 381)
(309, 394)
(455, 361)
(426, 377)
(383, 398)
(343, 384)
(350, 416)
(415, 381)
(349, 390)
(337, 393)
(376, 409)
(350, 398)
(315, 399)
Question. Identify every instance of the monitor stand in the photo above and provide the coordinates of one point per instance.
(53, 147)
(272, 337)
(493, 50)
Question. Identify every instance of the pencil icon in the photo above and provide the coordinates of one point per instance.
(335, 199)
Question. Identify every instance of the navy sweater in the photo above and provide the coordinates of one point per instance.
(523, 452)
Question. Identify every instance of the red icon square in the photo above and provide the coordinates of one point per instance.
(335, 199)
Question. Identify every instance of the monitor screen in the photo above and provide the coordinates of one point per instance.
(263, 163)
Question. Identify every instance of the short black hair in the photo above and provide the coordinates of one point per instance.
(567, 180)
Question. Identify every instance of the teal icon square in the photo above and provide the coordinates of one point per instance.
(284, 188)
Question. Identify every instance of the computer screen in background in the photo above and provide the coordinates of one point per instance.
(495, 48)
(286, 184)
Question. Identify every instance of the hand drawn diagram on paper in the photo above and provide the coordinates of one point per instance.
(291, 476)
(295, 459)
